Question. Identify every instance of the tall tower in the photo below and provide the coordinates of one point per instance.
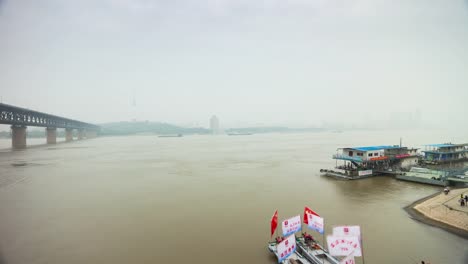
(214, 125)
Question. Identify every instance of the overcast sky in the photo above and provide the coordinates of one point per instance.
(270, 62)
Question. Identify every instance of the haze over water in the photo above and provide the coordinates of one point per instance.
(203, 199)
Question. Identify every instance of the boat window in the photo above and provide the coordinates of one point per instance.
(370, 154)
(376, 154)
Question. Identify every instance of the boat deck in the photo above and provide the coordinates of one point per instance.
(307, 254)
(339, 175)
(422, 180)
(295, 258)
(315, 253)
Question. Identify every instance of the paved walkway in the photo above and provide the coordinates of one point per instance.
(446, 209)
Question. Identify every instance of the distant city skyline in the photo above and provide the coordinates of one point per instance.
(394, 120)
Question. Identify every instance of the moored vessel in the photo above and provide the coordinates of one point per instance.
(291, 248)
(445, 153)
(435, 177)
(364, 162)
(165, 136)
(239, 134)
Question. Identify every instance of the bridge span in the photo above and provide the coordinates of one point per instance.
(19, 118)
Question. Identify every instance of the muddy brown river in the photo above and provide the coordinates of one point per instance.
(204, 199)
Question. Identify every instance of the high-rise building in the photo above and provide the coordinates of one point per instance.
(214, 125)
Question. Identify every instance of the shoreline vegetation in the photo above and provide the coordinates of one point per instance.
(442, 211)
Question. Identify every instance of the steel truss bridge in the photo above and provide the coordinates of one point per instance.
(18, 116)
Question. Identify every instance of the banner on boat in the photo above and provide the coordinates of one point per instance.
(365, 172)
(286, 247)
(315, 223)
(347, 231)
(402, 156)
(307, 210)
(348, 260)
(344, 246)
(291, 225)
(274, 222)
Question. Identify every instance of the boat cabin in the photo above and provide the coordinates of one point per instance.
(379, 158)
(374, 153)
(447, 152)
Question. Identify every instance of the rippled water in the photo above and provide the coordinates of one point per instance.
(203, 199)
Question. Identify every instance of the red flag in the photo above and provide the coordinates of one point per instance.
(274, 222)
(307, 210)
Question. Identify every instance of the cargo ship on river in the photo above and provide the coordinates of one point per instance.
(171, 135)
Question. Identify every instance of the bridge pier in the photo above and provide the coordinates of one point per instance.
(51, 134)
(19, 118)
(18, 137)
(68, 134)
(81, 134)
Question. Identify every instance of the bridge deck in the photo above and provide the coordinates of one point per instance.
(14, 115)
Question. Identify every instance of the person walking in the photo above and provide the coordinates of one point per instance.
(446, 190)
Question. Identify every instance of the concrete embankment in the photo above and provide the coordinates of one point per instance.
(443, 211)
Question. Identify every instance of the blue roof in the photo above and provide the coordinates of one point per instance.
(439, 145)
(371, 148)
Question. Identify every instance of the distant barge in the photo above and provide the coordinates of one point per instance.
(239, 134)
(165, 136)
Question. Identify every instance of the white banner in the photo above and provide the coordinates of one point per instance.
(291, 225)
(315, 223)
(348, 260)
(344, 245)
(365, 172)
(347, 231)
(286, 248)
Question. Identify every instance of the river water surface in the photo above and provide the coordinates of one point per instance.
(203, 199)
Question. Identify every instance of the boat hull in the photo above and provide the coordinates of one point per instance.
(294, 258)
(422, 180)
(315, 253)
(307, 253)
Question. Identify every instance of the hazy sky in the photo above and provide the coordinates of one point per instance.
(271, 62)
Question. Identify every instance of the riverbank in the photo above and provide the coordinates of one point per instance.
(443, 211)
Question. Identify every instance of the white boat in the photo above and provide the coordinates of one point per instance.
(314, 252)
(304, 248)
(293, 259)
(308, 251)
